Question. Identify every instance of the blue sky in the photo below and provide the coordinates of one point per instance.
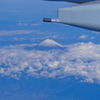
(46, 61)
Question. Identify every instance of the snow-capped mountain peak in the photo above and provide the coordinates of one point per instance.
(50, 43)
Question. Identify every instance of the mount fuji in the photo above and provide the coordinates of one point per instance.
(47, 44)
(50, 43)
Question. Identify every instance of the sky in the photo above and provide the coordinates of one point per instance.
(46, 61)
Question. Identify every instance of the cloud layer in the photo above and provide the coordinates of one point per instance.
(81, 60)
(14, 32)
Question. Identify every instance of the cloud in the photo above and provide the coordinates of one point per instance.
(25, 24)
(35, 24)
(14, 32)
(22, 24)
(81, 60)
(95, 32)
(18, 39)
(83, 37)
(92, 37)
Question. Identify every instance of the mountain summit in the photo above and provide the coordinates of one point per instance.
(47, 44)
(50, 43)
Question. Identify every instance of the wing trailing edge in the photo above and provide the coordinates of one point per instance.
(73, 1)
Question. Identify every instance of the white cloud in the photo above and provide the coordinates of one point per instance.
(81, 60)
(95, 32)
(35, 24)
(18, 39)
(15, 38)
(25, 24)
(83, 37)
(22, 24)
(92, 37)
(3, 32)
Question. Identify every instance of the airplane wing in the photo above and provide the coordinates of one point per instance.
(74, 1)
(85, 15)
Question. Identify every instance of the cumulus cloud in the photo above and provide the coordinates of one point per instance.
(83, 37)
(3, 32)
(81, 60)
